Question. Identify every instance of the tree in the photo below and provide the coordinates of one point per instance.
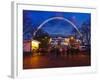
(86, 31)
(43, 37)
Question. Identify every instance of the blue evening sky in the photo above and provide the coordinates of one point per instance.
(35, 18)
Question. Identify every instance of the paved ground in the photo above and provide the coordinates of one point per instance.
(33, 62)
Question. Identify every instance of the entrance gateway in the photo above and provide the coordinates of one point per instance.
(59, 18)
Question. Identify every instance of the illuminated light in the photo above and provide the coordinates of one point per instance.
(35, 44)
(78, 41)
(65, 43)
(50, 40)
(45, 37)
(71, 37)
(66, 39)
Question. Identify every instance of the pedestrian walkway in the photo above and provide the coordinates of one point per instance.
(33, 62)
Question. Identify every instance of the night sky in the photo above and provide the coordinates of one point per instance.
(32, 19)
